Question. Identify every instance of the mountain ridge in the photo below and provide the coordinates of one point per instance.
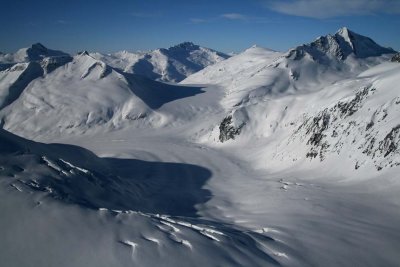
(340, 45)
(164, 64)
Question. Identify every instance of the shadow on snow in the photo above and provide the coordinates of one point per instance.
(156, 94)
(76, 175)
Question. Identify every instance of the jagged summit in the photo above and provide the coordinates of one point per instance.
(185, 45)
(340, 46)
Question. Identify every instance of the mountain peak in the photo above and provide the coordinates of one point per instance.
(341, 45)
(185, 45)
(346, 34)
(38, 46)
(343, 31)
(83, 53)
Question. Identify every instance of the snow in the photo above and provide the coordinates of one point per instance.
(169, 65)
(36, 52)
(99, 167)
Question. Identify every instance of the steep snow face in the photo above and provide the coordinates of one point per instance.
(36, 52)
(170, 65)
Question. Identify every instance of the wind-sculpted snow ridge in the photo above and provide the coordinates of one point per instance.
(170, 65)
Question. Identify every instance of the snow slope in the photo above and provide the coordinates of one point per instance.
(170, 65)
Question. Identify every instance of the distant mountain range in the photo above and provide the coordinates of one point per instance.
(90, 90)
(170, 65)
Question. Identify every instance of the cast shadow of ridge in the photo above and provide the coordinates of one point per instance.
(156, 94)
(76, 175)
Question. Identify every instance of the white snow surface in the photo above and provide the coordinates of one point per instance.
(263, 159)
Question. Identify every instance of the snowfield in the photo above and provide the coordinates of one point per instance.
(261, 159)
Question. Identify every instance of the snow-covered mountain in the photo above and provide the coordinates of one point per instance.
(262, 159)
(170, 65)
(84, 94)
(306, 68)
(36, 52)
(314, 94)
(341, 45)
(27, 64)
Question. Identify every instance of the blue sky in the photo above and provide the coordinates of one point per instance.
(225, 25)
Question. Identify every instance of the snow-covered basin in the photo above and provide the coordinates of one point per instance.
(320, 219)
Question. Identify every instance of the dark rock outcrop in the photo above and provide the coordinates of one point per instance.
(227, 130)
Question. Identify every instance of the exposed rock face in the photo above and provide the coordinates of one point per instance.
(396, 58)
(227, 130)
(390, 143)
(339, 126)
(51, 63)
